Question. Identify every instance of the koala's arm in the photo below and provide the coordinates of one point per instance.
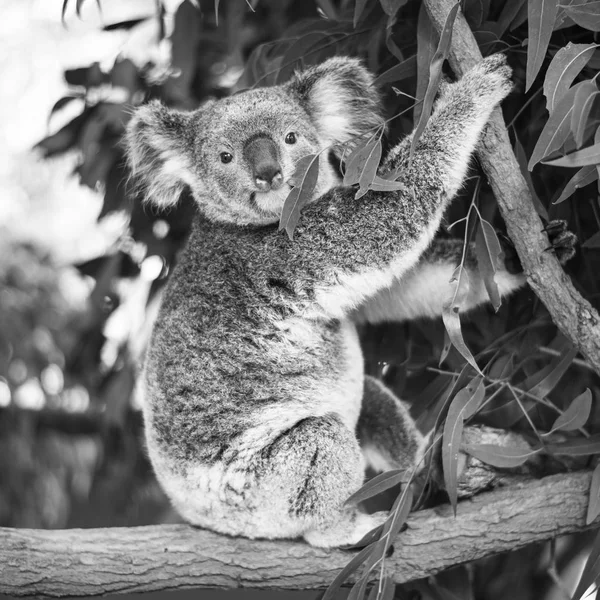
(346, 249)
(425, 289)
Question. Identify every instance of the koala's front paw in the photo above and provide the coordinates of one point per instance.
(490, 80)
(562, 241)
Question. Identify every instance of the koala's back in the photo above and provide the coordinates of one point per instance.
(227, 332)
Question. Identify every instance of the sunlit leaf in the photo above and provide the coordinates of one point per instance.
(594, 498)
(585, 13)
(576, 414)
(583, 177)
(307, 172)
(541, 15)
(379, 483)
(565, 66)
(556, 130)
(501, 457)
(435, 73)
(591, 571)
(350, 568)
(584, 101)
(581, 158)
(451, 314)
(426, 43)
(385, 185)
(217, 2)
(488, 250)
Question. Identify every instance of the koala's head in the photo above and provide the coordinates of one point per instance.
(238, 154)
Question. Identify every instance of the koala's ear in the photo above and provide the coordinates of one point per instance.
(159, 153)
(339, 95)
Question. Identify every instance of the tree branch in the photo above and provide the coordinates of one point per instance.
(572, 314)
(86, 562)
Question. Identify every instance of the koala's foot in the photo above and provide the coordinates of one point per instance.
(562, 241)
(388, 436)
(348, 531)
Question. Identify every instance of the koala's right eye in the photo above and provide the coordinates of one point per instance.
(226, 157)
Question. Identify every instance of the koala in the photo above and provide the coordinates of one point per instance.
(259, 418)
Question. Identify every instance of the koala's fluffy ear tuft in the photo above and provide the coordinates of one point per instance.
(158, 152)
(339, 95)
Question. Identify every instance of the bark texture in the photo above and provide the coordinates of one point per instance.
(572, 314)
(86, 562)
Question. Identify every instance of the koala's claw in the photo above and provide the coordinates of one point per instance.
(562, 241)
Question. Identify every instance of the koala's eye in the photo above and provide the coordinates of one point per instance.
(290, 138)
(226, 157)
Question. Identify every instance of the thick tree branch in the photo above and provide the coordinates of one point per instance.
(573, 315)
(85, 562)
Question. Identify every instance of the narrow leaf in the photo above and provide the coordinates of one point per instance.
(488, 250)
(594, 500)
(359, 7)
(426, 43)
(217, 2)
(576, 446)
(379, 483)
(586, 15)
(565, 66)
(435, 73)
(399, 514)
(583, 177)
(585, 98)
(385, 185)
(451, 315)
(576, 414)
(356, 162)
(548, 383)
(541, 15)
(501, 457)
(593, 242)
(581, 158)
(591, 570)
(350, 568)
(369, 170)
(308, 169)
(407, 68)
(359, 589)
(556, 130)
(460, 408)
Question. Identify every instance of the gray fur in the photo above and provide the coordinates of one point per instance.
(253, 376)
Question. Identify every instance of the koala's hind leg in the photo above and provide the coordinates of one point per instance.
(312, 469)
(388, 435)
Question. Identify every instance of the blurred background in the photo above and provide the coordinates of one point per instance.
(83, 262)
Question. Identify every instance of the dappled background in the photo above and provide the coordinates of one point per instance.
(83, 262)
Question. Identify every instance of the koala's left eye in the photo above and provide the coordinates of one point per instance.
(226, 157)
(290, 138)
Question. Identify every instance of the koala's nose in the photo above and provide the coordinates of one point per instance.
(261, 155)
